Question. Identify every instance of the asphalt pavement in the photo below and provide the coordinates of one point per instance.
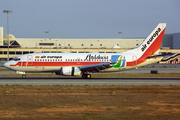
(93, 81)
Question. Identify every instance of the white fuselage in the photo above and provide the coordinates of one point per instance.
(52, 62)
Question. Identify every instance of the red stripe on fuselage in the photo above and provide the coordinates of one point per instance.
(54, 64)
(154, 47)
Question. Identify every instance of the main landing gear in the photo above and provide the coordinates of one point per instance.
(86, 76)
(24, 76)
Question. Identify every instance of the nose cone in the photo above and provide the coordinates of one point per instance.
(7, 65)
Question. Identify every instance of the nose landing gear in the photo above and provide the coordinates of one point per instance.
(22, 73)
(24, 76)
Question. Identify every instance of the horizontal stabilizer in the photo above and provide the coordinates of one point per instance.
(155, 56)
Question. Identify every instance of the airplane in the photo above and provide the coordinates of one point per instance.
(82, 64)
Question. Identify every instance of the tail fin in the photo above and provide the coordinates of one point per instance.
(151, 45)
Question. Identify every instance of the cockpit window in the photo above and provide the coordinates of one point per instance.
(16, 59)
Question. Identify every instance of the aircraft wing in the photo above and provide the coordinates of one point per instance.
(95, 68)
(170, 57)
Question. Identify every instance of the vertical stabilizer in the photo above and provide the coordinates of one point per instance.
(151, 45)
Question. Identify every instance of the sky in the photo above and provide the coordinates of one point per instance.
(88, 18)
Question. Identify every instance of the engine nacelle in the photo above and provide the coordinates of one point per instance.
(69, 71)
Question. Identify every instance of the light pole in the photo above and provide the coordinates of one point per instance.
(120, 38)
(7, 11)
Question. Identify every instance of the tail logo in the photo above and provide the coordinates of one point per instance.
(119, 60)
(151, 39)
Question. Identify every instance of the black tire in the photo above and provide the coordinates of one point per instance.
(88, 76)
(23, 76)
(84, 76)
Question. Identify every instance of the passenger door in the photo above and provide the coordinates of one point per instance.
(29, 60)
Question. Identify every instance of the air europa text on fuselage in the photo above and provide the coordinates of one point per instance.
(51, 56)
(90, 57)
(151, 39)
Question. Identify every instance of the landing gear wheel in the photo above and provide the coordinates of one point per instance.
(86, 76)
(23, 76)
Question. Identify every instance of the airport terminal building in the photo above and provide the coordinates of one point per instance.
(171, 41)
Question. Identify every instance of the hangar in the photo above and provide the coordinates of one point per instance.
(71, 43)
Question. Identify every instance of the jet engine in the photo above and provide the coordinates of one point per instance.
(69, 71)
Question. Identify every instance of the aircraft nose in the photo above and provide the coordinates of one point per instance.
(7, 65)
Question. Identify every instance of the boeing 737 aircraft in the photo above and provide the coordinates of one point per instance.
(76, 64)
